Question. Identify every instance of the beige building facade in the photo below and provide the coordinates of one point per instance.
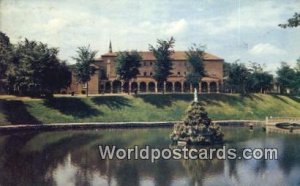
(105, 79)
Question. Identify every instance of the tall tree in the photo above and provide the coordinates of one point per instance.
(227, 84)
(127, 65)
(84, 69)
(162, 53)
(226, 68)
(286, 77)
(5, 54)
(259, 80)
(297, 69)
(298, 65)
(292, 22)
(37, 69)
(195, 67)
(238, 76)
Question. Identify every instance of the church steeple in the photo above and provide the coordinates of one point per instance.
(110, 47)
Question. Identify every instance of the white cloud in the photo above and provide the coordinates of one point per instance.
(266, 49)
(177, 27)
(258, 15)
(53, 25)
(224, 26)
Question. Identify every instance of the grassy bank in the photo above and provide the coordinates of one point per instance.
(143, 108)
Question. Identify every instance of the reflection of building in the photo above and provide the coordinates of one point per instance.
(145, 82)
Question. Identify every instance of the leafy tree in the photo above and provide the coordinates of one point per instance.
(5, 54)
(298, 65)
(286, 77)
(103, 74)
(259, 80)
(297, 69)
(227, 84)
(37, 70)
(195, 68)
(162, 53)
(292, 22)
(226, 69)
(255, 67)
(84, 69)
(238, 76)
(297, 82)
(127, 65)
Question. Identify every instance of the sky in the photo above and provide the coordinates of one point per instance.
(245, 30)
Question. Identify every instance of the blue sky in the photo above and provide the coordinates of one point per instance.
(232, 29)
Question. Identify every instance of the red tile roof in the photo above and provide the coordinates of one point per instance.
(177, 55)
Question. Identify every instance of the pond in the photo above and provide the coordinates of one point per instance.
(72, 158)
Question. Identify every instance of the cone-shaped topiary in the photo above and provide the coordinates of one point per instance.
(197, 127)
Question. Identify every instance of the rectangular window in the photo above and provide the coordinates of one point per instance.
(145, 73)
(84, 85)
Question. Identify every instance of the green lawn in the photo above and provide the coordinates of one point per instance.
(166, 107)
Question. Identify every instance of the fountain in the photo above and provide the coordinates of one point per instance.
(196, 128)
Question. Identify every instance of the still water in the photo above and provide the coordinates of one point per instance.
(72, 158)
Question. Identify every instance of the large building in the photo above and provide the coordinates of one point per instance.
(105, 79)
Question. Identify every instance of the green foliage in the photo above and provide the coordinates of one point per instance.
(238, 76)
(162, 53)
(37, 70)
(242, 79)
(292, 22)
(197, 127)
(4, 40)
(103, 74)
(259, 80)
(195, 68)
(226, 69)
(297, 68)
(196, 114)
(5, 54)
(83, 67)
(127, 65)
(287, 78)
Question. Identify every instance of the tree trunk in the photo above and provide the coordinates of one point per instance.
(87, 89)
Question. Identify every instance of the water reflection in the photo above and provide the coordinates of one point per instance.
(198, 170)
(72, 158)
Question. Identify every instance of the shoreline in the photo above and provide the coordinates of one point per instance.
(144, 108)
(116, 125)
